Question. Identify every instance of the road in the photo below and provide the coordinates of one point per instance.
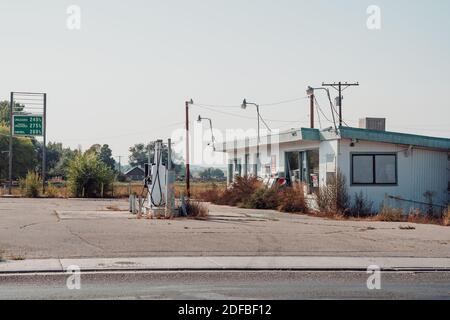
(70, 228)
(201, 285)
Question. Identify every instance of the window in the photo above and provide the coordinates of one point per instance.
(374, 169)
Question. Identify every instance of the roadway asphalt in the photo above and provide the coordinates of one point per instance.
(201, 285)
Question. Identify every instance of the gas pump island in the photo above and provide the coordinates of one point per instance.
(159, 199)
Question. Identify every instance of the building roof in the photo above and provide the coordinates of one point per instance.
(133, 169)
(395, 137)
(308, 134)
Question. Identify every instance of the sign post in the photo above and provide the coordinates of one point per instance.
(28, 118)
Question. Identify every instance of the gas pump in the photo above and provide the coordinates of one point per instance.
(158, 183)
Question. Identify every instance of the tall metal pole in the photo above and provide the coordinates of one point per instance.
(188, 168)
(311, 110)
(11, 124)
(44, 150)
(340, 104)
(259, 137)
(169, 182)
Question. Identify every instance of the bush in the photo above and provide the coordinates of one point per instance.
(292, 200)
(196, 209)
(334, 198)
(446, 218)
(263, 198)
(31, 185)
(210, 195)
(87, 175)
(239, 192)
(362, 206)
(52, 191)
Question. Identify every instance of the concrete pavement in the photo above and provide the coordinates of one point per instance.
(72, 229)
(226, 263)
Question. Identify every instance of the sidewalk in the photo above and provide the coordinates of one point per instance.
(227, 263)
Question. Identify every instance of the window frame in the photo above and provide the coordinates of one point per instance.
(374, 166)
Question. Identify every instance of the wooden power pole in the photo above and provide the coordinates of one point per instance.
(340, 87)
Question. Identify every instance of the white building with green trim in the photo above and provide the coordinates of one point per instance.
(409, 171)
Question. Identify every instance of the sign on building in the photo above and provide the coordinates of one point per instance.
(27, 125)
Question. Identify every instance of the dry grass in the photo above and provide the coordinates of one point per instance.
(16, 257)
(196, 209)
(389, 214)
(446, 218)
(205, 191)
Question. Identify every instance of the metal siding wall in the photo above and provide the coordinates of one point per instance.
(429, 175)
(424, 170)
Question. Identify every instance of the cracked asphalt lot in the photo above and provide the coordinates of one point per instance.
(61, 228)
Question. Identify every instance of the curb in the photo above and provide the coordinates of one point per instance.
(386, 264)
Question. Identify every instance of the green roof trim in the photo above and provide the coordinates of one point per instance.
(395, 137)
(310, 134)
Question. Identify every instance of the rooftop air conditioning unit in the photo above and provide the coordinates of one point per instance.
(373, 124)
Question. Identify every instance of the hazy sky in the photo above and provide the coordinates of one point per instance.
(123, 78)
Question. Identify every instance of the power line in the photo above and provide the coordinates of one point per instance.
(321, 111)
(127, 134)
(241, 116)
(282, 102)
(261, 105)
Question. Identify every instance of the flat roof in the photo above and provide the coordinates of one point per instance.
(308, 134)
(395, 137)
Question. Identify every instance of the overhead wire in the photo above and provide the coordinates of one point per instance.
(239, 115)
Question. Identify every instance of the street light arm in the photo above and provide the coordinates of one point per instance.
(213, 139)
(329, 99)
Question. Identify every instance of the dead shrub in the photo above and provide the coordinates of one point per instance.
(417, 216)
(263, 198)
(196, 209)
(446, 218)
(334, 198)
(361, 207)
(239, 192)
(292, 200)
(52, 191)
(211, 195)
(389, 214)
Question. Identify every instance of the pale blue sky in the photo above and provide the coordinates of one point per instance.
(126, 74)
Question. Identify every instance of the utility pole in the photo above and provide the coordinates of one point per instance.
(188, 166)
(44, 150)
(10, 142)
(311, 109)
(340, 87)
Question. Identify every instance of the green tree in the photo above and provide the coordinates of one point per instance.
(87, 175)
(24, 155)
(212, 173)
(61, 168)
(53, 154)
(5, 114)
(139, 157)
(95, 148)
(105, 155)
